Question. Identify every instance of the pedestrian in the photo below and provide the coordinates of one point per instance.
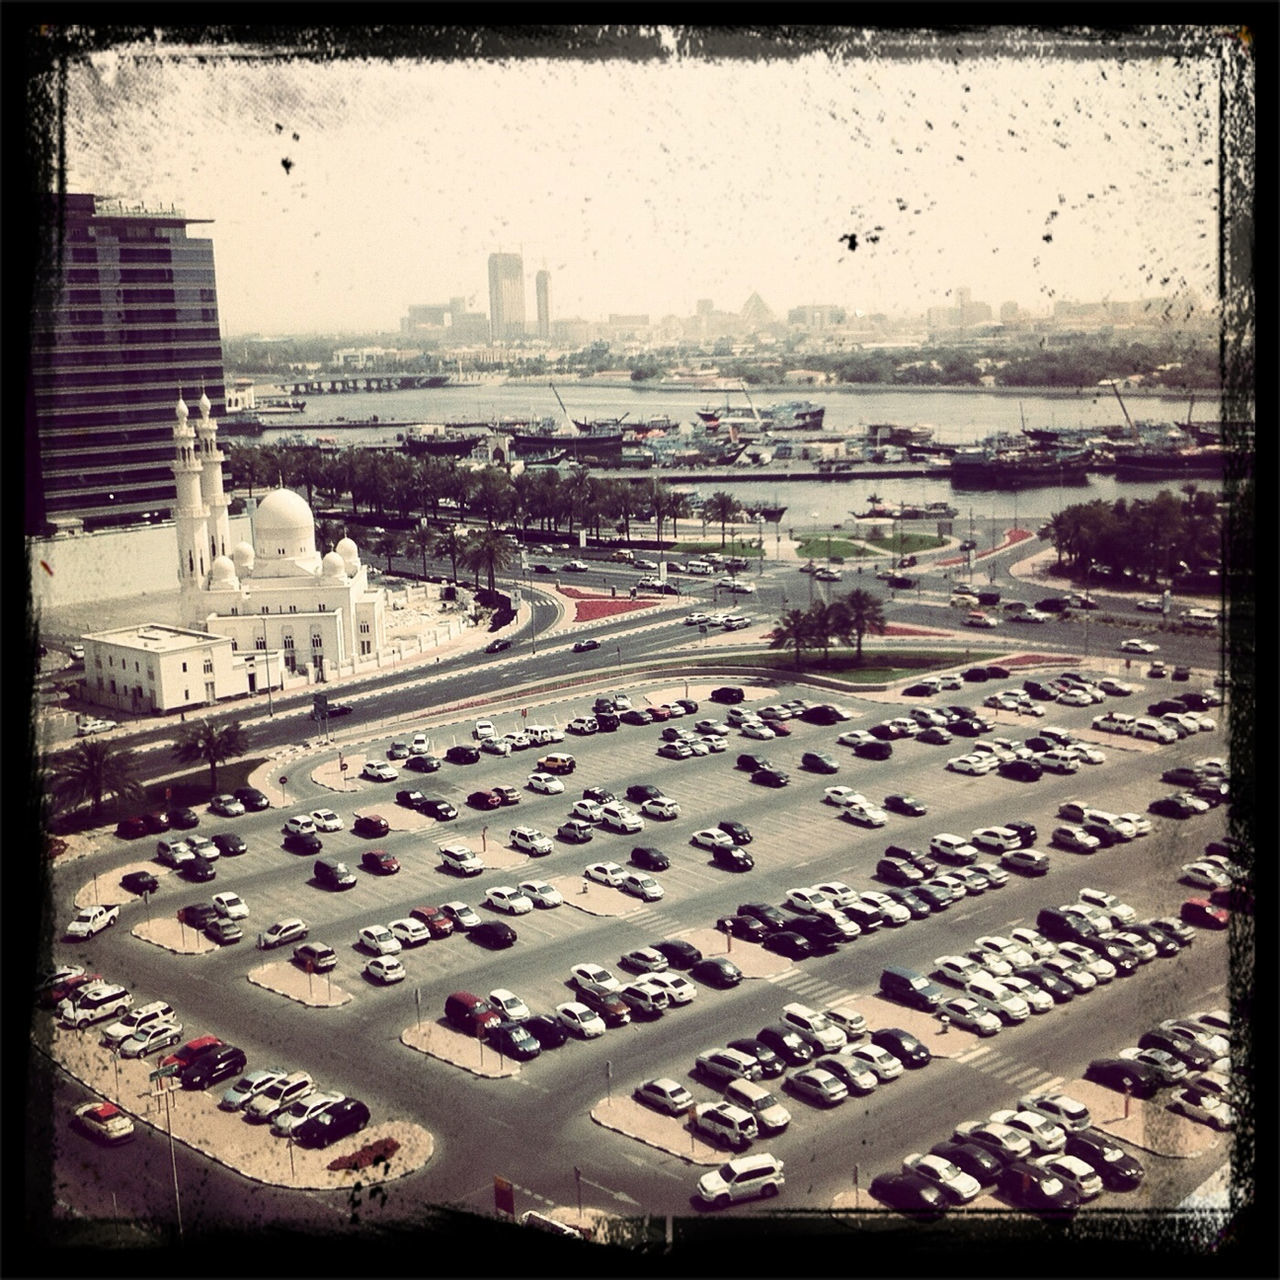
(945, 1019)
(585, 884)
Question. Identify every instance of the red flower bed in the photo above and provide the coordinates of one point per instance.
(590, 610)
(374, 1153)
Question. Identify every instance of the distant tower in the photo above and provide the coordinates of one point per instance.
(506, 296)
(190, 516)
(212, 493)
(542, 284)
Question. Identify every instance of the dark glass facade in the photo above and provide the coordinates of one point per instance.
(133, 323)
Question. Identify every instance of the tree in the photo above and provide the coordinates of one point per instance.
(865, 614)
(213, 743)
(794, 628)
(488, 551)
(721, 506)
(421, 540)
(450, 543)
(92, 772)
(328, 533)
(388, 544)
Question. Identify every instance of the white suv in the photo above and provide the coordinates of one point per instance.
(618, 817)
(742, 1179)
(458, 858)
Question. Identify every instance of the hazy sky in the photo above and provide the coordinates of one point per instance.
(644, 186)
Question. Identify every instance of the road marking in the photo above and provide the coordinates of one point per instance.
(971, 1055)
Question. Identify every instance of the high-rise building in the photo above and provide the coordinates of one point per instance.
(543, 288)
(506, 296)
(130, 321)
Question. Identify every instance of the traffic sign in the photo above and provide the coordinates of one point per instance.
(344, 766)
(283, 779)
(171, 1070)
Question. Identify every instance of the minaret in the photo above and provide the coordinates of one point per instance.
(190, 517)
(211, 460)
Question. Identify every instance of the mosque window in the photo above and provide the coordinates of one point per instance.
(287, 641)
(317, 641)
(184, 666)
(293, 608)
(321, 606)
(366, 646)
(364, 628)
(260, 642)
(208, 666)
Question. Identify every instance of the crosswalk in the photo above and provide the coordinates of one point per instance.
(1005, 1067)
(814, 990)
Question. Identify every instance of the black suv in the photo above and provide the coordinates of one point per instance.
(639, 792)
(649, 859)
(252, 798)
(727, 694)
(226, 1060)
(752, 762)
(340, 1120)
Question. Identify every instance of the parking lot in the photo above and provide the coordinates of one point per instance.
(431, 1077)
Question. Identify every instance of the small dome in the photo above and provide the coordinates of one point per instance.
(243, 555)
(333, 566)
(181, 410)
(223, 572)
(350, 554)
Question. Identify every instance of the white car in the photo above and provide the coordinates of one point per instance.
(1074, 698)
(970, 1015)
(842, 795)
(809, 900)
(583, 724)
(1007, 1005)
(996, 839)
(95, 725)
(1087, 959)
(496, 746)
(609, 873)
(711, 838)
(595, 975)
(378, 939)
(1149, 605)
(509, 1005)
(1203, 1106)
(1058, 1108)
(1046, 1137)
(226, 805)
(864, 813)
(620, 817)
(385, 969)
(678, 988)
(856, 738)
(463, 916)
(757, 729)
(839, 892)
(894, 912)
(1035, 998)
(230, 905)
(1116, 688)
(640, 886)
(1013, 953)
(957, 1186)
(952, 848)
(1204, 875)
(148, 1039)
(300, 825)
(959, 970)
(540, 893)
(420, 745)
(92, 920)
(973, 764)
(695, 620)
(409, 932)
(587, 810)
(530, 840)
(287, 1119)
(379, 771)
(1076, 1173)
(1035, 942)
(742, 1179)
(505, 897)
(547, 783)
(875, 1059)
(1118, 910)
(326, 820)
(460, 859)
(661, 807)
(1138, 646)
(483, 729)
(580, 1020)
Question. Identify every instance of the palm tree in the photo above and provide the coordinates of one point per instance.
(794, 628)
(421, 540)
(865, 614)
(450, 543)
(93, 771)
(488, 550)
(328, 532)
(214, 743)
(388, 544)
(721, 506)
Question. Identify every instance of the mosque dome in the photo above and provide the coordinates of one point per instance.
(205, 404)
(242, 554)
(333, 566)
(350, 554)
(284, 529)
(222, 573)
(181, 409)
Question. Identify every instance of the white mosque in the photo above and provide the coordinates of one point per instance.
(259, 614)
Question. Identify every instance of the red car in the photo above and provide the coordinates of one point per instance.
(192, 1050)
(485, 800)
(657, 714)
(131, 828)
(1202, 912)
(780, 728)
(436, 921)
(380, 861)
(370, 824)
(55, 995)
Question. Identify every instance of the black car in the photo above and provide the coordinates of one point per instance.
(908, 806)
(823, 714)
(749, 761)
(197, 915)
(635, 715)
(793, 945)
(975, 675)
(497, 646)
(680, 955)
(1164, 944)
(223, 1061)
(494, 934)
(819, 762)
(771, 1066)
(716, 971)
(864, 915)
(370, 824)
(1026, 831)
(1160, 708)
(770, 778)
(598, 794)
(767, 914)
(1118, 1170)
(1021, 770)
(690, 705)
(439, 808)
(647, 858)
(970, 1158)
(730, 695)
(139, 882)
(913, 856)
(1125, 959)
(198, 870)
(903, 1045)
(998, 672)
(639, 792)
(1184, 1048)
(229, 844)
(549, 1032)
(302, 842)
(787, 1043)
(748, 928)
(608, 721)
(738, 832)
(423, 764)
(899, 872)
(1182, 934)
(183, 819)
(907, 897)
(886, 732)
(966, 728)
(733, 859)
(873, 750)
(252, 798)
(1041, 692)
(1028, 1186)
(822, 935)
(1053, 604)
(918, 691)
(340, 1120)
(463, 753)
(910, 1193)
(512, 1040)
(1139, 1079)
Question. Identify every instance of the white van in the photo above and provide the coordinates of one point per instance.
(540, 734)
(770, 1115)
(699, 568)
(118, 1032)
(724, 1123)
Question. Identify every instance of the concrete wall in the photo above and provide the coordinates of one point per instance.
(126, 564)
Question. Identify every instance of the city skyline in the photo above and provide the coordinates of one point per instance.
(342, 193)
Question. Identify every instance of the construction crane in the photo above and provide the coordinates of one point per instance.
(1137, 435)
